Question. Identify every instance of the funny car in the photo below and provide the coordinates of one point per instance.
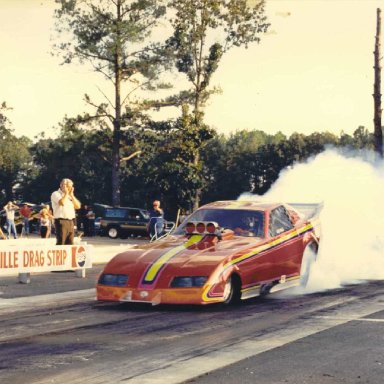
(223, 252)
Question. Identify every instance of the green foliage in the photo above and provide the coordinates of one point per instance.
(14, 157)
(78, 154)
(169, 171)
(246, 161)
(250, 161)
(98, 31)
(204, 30)
(113, 36)
(363, 139)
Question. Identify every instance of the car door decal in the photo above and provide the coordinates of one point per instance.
(209, 295)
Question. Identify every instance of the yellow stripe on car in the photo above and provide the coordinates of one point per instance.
(158, 264)
(271, 244)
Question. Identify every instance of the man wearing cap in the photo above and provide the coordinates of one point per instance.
(64, 204)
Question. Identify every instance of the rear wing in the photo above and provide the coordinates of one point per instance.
(307, 211)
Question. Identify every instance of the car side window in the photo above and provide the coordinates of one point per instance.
(134, 214)
(279, 221)
(115, 213)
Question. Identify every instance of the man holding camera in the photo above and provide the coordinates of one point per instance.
(64, 204)
(155, 225)
(10, 210)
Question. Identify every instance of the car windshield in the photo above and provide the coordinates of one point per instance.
(242, 222)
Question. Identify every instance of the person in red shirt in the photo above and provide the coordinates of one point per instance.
(26, 212)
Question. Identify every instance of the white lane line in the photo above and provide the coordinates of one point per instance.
(179, 371)
(352, 319)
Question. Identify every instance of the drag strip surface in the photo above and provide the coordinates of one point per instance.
(72, 338)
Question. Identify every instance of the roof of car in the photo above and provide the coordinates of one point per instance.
(243, 204)
(141, 209)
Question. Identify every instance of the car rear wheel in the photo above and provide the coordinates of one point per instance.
(265, 289)
(232, 291)
(309, 258)
(113, 232)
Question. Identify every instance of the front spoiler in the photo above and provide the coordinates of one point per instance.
(156, 300)
(153, 297)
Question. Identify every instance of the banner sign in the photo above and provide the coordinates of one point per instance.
(15, 259)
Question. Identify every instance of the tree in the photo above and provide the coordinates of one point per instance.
(378, 129)
(235, 165)
(112, 35)
(204, 30)
(363, 139)
(77, 153)
(180, 177)
(15, 158)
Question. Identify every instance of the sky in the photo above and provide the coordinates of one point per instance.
(313, 71)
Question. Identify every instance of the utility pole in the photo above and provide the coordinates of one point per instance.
(378, 132)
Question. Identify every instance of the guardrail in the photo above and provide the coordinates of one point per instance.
(25, 256)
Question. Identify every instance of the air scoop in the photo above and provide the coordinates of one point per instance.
(207, 228)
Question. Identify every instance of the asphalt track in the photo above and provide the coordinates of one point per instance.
(330, 337)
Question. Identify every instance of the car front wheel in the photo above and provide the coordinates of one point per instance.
(232, 290)
(113, 233)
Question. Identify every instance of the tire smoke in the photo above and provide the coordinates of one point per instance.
(351, 187)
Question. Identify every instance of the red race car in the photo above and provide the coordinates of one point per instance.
(222, 253)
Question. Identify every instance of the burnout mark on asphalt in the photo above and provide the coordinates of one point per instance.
(183, 370)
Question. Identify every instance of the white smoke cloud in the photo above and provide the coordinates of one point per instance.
(352, 220)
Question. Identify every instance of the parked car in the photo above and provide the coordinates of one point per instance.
(123, 222)
(99, 209)
(222, 253)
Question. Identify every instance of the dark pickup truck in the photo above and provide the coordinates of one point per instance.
(123, 222)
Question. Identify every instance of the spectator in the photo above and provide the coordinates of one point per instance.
(25, 212)
(183, 216)
(64, 204)
(83, 219)
(156, 220)
(44, 223)
(91, 222)
(10, 210)
(49, 215)
(2, 234)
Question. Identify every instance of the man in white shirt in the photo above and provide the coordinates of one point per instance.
(64, 204)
